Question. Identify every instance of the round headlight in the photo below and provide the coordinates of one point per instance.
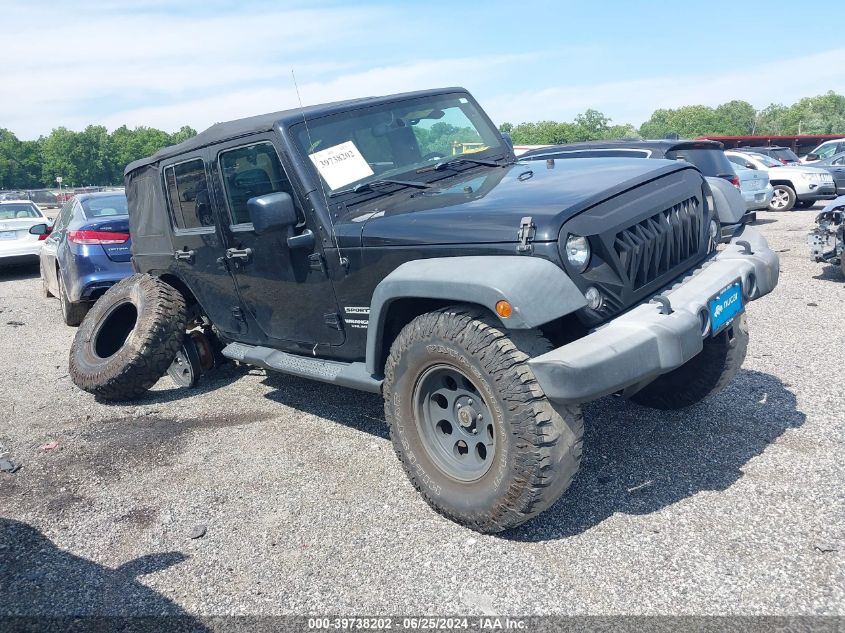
(578, 252)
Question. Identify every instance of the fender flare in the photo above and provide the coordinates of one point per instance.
(538, 290)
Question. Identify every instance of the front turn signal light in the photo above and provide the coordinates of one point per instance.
(504, 309)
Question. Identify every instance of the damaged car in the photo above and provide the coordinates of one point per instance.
(396, 245)
(827, 239)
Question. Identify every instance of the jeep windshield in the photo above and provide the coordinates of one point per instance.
(399, 141)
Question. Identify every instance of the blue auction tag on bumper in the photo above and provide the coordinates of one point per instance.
(725, 306)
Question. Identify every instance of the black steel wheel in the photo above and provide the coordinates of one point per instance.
(455, 423)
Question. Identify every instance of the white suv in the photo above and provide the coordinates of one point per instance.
(795, 185)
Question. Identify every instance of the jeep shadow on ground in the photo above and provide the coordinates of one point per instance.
(356, 409)
(45, 588)
(638, 460)
(19, 271)
(831, 272)
(214, 379)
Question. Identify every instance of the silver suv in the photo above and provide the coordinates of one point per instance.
(794, 185)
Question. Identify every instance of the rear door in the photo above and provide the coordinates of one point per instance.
(286, 290)
(198, 246)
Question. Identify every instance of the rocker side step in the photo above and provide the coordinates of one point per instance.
(353, 375)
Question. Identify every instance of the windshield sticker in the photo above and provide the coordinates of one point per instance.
(341, 164)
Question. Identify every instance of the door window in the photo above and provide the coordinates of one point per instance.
(248, 172)
(826, 150)
(187, 194)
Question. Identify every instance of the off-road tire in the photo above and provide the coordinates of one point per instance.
(72, 313)
(539, 445)
(702, 376)
(789, 192)
(128, 366)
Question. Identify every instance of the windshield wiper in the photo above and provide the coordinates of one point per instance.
(447, 164)
(370, 186)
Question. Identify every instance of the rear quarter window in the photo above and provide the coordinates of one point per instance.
(187, 193)
(710, 162)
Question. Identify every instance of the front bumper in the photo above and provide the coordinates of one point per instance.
(643, 343)
(823, 192)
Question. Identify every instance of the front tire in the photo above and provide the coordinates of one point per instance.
(471, 425)
(783, 198)
(704, 375)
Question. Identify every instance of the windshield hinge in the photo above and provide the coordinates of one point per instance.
(525, 234)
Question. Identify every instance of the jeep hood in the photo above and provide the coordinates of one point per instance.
(486, 205)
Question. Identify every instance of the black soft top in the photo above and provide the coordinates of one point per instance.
(265, 122)
(658, 147)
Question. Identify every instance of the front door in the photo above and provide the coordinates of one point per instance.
(198, 246)
(286, 290)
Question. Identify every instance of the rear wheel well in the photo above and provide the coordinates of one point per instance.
(181, 286)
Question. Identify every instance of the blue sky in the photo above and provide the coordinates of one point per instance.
(166, 63)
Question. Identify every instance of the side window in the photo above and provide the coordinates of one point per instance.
(187, 193)
(827, 150)
(248, 172)
(64, 216)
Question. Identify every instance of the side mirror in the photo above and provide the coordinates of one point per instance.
(811, 157)
(272, 211)
(506, 137)
(39, 229)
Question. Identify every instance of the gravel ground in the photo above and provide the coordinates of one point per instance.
(732, 507)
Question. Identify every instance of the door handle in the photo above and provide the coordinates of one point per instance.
(187, 256)
(236, 253)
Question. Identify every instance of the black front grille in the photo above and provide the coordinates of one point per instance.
(654, 246)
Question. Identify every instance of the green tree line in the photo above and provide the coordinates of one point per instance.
(823, 114)
(90, 157)
(96, 157)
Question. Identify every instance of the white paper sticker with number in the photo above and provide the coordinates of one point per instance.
(341, 164)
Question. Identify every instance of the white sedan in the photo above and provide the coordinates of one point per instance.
(23, 228)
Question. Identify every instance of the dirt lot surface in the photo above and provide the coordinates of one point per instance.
(734, 506)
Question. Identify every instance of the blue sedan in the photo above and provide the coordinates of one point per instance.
(88, 251)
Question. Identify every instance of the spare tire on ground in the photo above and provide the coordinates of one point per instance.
(129, 338)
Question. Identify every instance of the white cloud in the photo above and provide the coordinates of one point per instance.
(156, 63)
(633, 101)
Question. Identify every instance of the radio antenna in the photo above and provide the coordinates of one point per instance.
(344, 263)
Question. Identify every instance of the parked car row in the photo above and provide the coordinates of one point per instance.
(794, 185)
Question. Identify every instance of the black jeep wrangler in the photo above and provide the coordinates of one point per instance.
(396, 245)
